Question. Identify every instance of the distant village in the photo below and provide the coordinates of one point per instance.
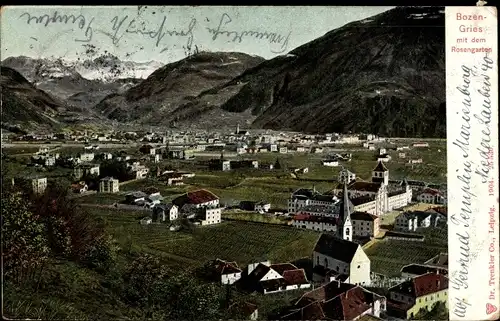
(348, 214)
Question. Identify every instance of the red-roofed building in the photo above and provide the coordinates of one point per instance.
(227, 272)
(336, 301)
(421, 292)
(269, 278)
(201, 205)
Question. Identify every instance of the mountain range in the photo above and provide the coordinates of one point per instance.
(383, 75)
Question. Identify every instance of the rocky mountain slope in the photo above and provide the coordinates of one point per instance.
(382, 75)
(28, 108)
(174, 85)
(24, 104)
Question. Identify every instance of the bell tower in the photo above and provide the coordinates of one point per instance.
(380, 174)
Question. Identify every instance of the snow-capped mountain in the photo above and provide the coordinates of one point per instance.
(82, 83)
(106, 68)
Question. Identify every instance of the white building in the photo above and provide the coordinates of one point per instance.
(267, 278)
(109, 185)
(346, 176)
(39, 185)
(162, 212)
(330, 163)
(86, 157)
(204, 203)
(338, 259)
(431, 196)
(229, 272)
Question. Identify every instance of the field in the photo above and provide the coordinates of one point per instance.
(242, 242)
(389, 256)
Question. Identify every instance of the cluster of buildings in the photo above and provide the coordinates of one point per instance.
(201, 207)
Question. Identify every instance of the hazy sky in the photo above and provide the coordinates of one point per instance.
(166, 33)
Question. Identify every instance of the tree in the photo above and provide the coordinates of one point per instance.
(277, 164)
(145, 281)
(25, 248)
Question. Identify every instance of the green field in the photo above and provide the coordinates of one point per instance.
(242, 242)
(389, 256)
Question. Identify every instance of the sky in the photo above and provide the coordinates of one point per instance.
(166, 33)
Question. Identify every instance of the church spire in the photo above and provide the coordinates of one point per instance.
(346, 228)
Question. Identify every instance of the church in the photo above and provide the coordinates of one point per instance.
(378, 196)
(353, 210)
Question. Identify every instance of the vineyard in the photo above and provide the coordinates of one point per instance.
(242, 242)
(389, 256)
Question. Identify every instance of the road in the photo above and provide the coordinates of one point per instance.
(118, 207)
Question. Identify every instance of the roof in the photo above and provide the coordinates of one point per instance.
(335, 300)
(297, 276)
(336, 248)
(109, 178)
(363, 216)
(420, 269)
(223, 267)
(316, 218)
(422, 285)
(362, 199)
(151, 190)
(380, 167)
(137, 194)
(196, 197)
(432, 191)
(364, 186)
(282, 267)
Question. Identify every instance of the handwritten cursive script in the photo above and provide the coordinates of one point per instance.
(484, 119)
(127, 25)
(238, 36)
(80, 21)
(470, 115)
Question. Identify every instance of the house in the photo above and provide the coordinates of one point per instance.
(163, 211)
(431, 196)
(261, 207)
(335, 258)
(139, 171)
(173, 179)
(411, 221)
(226, 272)
(330, 163)
(365, 224)
(243, 311)
(146, 221)
(201, 204)
(268, 278)
(109, 185)
(422, 292)
(147, 149)
(39, 185)
(337, 301)
(198, 199)
(414, 270)
(383, 158)
(402, 155)
(346, 176)
(82, 170)
(421, 144)
(79, 187)
(86, 157)
(135, 198)
(283, 150)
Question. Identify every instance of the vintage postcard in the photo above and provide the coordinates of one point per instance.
(249, 163)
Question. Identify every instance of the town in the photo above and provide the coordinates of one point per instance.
(297, 226)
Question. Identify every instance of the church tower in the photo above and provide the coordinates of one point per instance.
(380, 174)
(345, 230)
